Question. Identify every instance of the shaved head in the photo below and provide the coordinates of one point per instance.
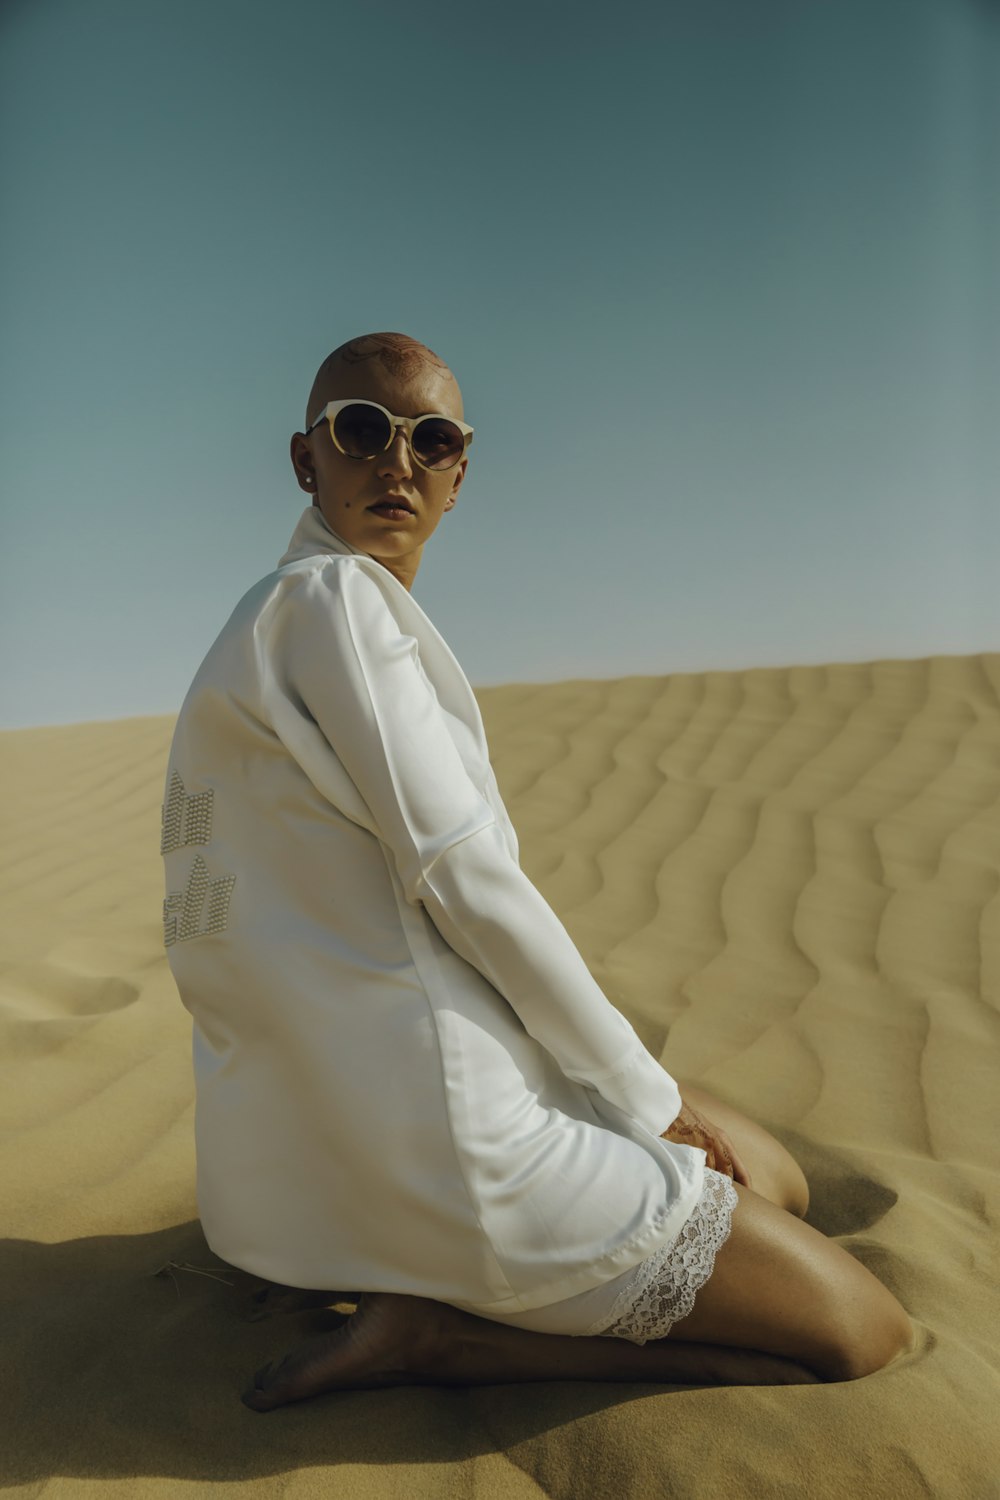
(394, 354)
(389, 503)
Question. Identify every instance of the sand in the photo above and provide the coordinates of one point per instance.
(787, 879)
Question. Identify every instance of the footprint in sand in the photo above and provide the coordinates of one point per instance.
(48, 991)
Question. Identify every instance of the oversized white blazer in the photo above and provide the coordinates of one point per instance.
(406, 1077)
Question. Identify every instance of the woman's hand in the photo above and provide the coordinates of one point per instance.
(692, 1129)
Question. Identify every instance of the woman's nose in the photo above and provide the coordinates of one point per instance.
(396, 458)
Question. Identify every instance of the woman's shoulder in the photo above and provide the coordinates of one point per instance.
(350, 590)
(313, 584)
(335, 573)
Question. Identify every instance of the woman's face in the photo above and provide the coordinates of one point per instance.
(346, 489)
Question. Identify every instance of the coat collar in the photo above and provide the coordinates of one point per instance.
(313, 537)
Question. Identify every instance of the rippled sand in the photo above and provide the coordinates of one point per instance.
(787, 879)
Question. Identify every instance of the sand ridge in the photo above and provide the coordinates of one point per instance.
(786, 878)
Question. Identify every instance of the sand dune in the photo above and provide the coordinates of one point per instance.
(787, 879)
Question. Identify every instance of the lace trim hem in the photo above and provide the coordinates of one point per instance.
(663, 1289)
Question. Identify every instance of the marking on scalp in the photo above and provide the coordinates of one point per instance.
(403, 357)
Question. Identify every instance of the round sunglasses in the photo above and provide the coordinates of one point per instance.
(363, 429)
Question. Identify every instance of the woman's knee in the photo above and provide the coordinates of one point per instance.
(887, 1335)
(782, 1287)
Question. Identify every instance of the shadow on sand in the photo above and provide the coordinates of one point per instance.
(126, 1355)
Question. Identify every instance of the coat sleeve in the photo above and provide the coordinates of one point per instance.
(335, 651)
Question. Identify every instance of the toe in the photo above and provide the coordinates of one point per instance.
(256, 1396)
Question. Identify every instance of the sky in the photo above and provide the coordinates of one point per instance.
(720, 283)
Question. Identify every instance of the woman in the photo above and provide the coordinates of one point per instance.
(407, 1080)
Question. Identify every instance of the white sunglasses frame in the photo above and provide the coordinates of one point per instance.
(331, 409)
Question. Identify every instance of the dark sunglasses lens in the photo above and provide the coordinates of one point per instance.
(438, 443)
(361, 431)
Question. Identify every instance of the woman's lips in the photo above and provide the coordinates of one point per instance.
(395, 510)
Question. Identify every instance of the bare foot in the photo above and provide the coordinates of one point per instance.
(273, 1300)
(390, 1340)
(398, 1340)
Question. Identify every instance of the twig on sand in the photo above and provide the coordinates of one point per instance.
(177, 1265)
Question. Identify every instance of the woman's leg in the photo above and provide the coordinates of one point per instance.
(774, 1173)
(784, 1304)
(780, 1285)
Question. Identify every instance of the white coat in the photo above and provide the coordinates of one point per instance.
(407, 1079)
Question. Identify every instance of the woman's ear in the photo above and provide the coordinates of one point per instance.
(302, 462)
(449, 504)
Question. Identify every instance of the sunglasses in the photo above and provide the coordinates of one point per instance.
(363, 429)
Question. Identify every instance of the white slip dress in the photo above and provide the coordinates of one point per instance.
(407, 1079)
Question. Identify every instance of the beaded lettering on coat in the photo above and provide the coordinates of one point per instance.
(186, 820)
(202, 906)
(184, 914)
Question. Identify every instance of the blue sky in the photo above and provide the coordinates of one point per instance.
(719, 282)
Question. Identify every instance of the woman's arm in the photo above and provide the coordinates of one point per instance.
(335, 653)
